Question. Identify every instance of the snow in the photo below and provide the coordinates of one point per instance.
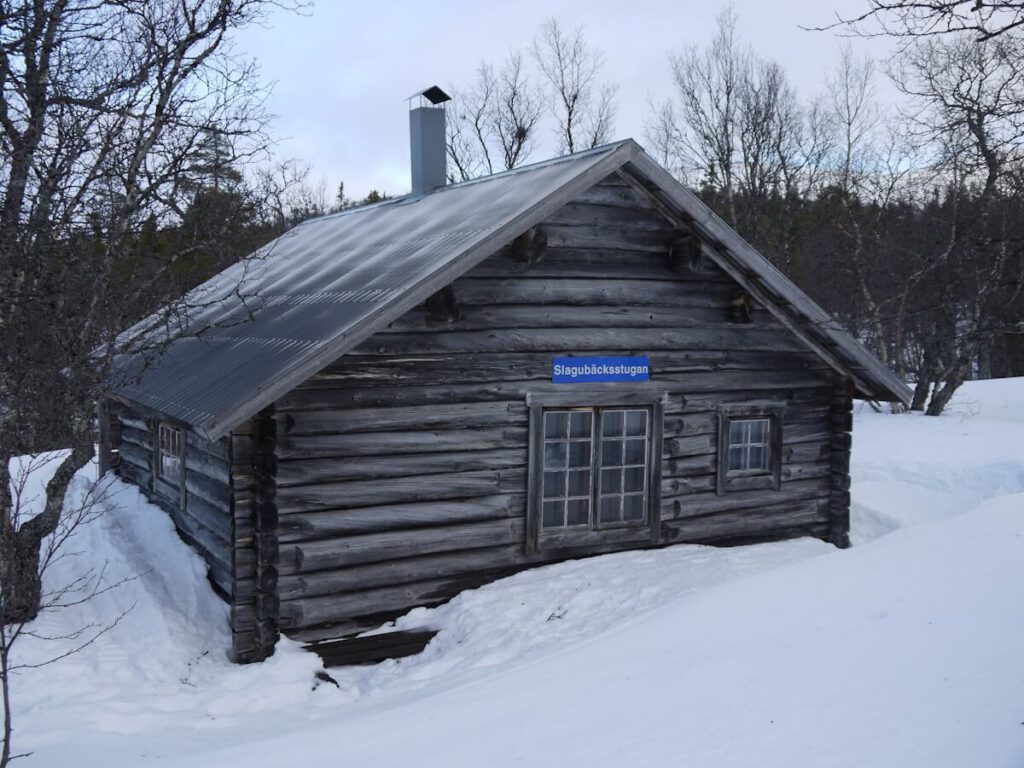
(903, 650)
(28, 478)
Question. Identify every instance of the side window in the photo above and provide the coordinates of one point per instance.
(592, 472)
(749, 449)
(749, 446)
(168, 459)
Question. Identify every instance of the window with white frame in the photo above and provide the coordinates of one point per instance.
(749, 445)
(596, 468)
(168, 465)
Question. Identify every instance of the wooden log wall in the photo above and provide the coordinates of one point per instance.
(401, 469)
(254, 610)
(840, 444)
(202, 507)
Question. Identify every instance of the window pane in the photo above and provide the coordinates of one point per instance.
(579, 483)
(578, 512)
(610, 506)
(757, 431)
(579, 454)
(611, 481)
(635, 479)
(580, 422)
(611, 423)
(554, 485)
(611, 453)
(633, 507)
(636, 423)
(635, 450)
(736, 457)
(554, 455)
(556, 424)
(736, 431)
(553, 511)
(757, 458)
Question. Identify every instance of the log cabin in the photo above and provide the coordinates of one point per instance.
(394, 403)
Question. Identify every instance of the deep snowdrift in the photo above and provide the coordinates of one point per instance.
(902, 651)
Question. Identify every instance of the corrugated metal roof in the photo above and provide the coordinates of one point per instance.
(285, 312)
(266, 324)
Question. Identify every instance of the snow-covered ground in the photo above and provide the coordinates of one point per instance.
(905, 650)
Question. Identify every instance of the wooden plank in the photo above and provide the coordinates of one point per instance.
(400, 571)
(499, 316)
(614, 195)
(136, 475)
(132, 454)
(331, 609)
(453, 416)
(422, 369)
(130, 419)
(377, 547)
(137, 437)
(722, 337)
(586, 292)
(313, 471)
(214, 517)
(755, 522)
(300, 526)
(641, 266)
(212, 468)
(678, 501)
(692, 391)
(568, 236)
(372, 649)
(217, 449)
(213, 491)
(366, 493)
(397, 443)
(603, 216)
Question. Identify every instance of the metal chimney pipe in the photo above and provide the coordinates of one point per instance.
(427, 141)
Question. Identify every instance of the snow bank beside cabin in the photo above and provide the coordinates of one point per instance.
(158, 659)
(912, 468)
(901, 651)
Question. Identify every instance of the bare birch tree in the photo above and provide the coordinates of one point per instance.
(103, 105)
(910, 19)
(582, 106)
(492, 125)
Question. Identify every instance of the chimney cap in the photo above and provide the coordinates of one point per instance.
(433, 94)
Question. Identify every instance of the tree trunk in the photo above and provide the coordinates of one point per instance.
(921, 392)
(943, 394)
(19, 569)
(20, 563)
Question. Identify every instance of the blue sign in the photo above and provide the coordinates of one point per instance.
(578, 370)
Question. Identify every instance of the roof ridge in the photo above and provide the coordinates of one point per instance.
(410, 198)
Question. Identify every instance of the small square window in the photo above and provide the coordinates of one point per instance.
(748, 445)
(749, 449)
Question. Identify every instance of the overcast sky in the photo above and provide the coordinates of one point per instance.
(344, 70)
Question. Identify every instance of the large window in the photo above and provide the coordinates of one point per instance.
(593, 470)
